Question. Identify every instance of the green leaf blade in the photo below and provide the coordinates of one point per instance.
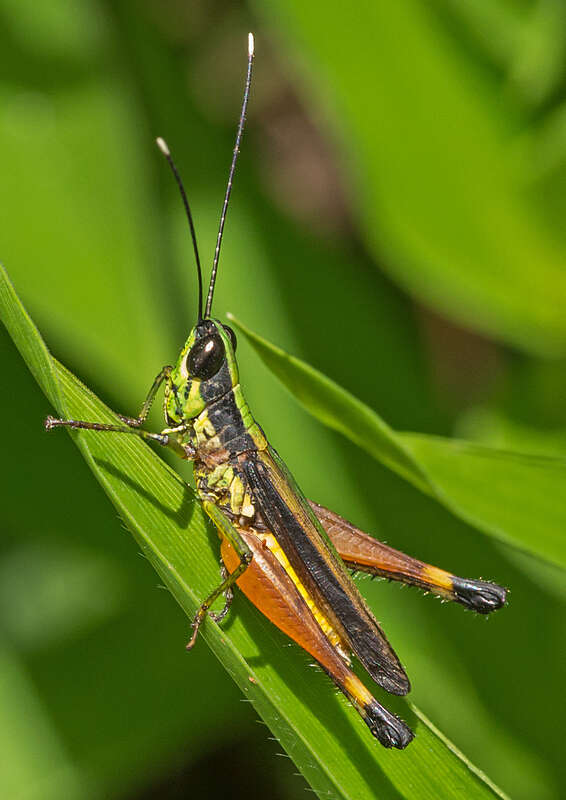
(519, 497)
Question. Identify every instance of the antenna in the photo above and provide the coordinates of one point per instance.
(241, 124)
(162, 144)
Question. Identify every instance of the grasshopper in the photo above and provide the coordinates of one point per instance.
(289, 556)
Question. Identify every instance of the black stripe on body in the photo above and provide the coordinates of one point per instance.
(332, 590)
(214, 389)
(226, 419)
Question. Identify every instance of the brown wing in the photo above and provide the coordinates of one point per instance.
(288, 515)
(268, 586)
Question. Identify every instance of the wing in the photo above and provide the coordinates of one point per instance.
(312, 555)
(266, 583)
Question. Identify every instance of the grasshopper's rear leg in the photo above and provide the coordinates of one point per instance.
(228, 532)
(362, 552)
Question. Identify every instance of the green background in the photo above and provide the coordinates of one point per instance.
(397, 221)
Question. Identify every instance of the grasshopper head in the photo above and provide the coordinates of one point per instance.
(205, 370)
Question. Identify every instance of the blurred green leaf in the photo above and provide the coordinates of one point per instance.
(492, 427)
(35, 765)
(68, 140)
(517, 498)
(169, 525)
(442, 202)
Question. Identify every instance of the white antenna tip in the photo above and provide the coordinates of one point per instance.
(162, 144)
(250, 44)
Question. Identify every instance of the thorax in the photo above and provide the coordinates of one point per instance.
(224, 434)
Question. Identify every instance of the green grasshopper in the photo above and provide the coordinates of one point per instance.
(289, 556)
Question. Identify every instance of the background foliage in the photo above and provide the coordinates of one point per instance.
(397, 222)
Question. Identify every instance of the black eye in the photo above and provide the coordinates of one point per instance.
(206, 357)
(232, 336)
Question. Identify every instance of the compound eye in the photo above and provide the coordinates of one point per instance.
(206, 357)
(232, 336)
